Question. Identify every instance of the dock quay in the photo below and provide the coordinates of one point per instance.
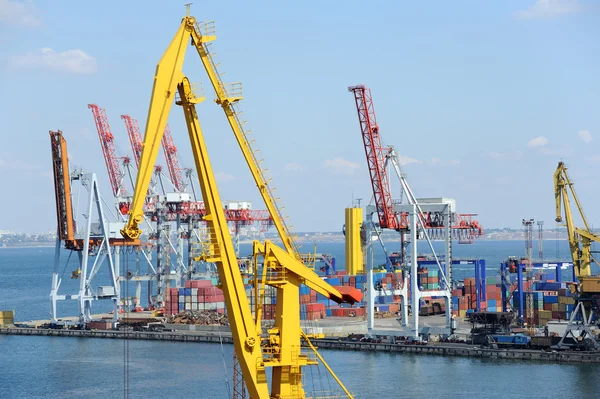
(208, 335)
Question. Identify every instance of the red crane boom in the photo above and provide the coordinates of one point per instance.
(135, 137)
(171, 156)
(375, 157)
(108, 150)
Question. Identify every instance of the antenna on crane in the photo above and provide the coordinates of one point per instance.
(187, 9)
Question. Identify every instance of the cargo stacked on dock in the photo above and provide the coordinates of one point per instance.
(197, 295)
(551, 301)
(464, 299)
(428, 279)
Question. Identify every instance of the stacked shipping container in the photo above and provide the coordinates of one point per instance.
(552, 301)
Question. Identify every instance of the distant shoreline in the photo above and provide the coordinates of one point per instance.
(301, 240)
(27, 246)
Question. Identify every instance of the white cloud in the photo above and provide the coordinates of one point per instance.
(404, 160)
(70, 61)
(341, 166)
(293, 167)
(585, 136)
(22, 13)
(224, 177)
(538, 142)
(550, 9)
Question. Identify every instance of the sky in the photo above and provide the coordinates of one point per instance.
(480, 99)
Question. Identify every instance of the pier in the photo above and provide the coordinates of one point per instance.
(212, 335)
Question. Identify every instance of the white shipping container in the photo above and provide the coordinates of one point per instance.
(188, 306)
(178, 197)
(106, 290)
(195, 292)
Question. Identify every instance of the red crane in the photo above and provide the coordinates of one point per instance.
(375, 157)
(135, 137)
(465, 229)
(172, 163)
(108, 150)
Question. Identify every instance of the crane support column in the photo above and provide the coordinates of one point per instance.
(240, 317)
(370, 282)
(415, 291)
(354, 256)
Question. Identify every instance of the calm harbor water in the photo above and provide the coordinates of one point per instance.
(49, 367)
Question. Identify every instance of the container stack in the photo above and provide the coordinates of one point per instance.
(172, 302)
(428, 279)
(551, 301)
(464, 299)
(196, 295)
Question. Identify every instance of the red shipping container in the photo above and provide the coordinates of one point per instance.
(211, 298)
(315, 307)
(210, 291)
(305, 298)
(198, 283)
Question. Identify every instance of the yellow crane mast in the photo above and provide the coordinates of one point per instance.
(280, 346)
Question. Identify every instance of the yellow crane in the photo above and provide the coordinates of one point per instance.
(580, 239)
(581, 330)
(280, 347)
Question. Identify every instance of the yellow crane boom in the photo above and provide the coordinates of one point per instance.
(168, 74)
(580, 239)
(280, 348)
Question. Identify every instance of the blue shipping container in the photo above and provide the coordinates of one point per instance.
(333, 281)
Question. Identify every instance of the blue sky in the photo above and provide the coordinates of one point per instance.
(481, 99)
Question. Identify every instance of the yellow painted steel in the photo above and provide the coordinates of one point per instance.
(354, 250)
(246, 338)
(283, 349)
(580, 240)
(168, 74)
(226, 97)
(280, 348)
(7, 318)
